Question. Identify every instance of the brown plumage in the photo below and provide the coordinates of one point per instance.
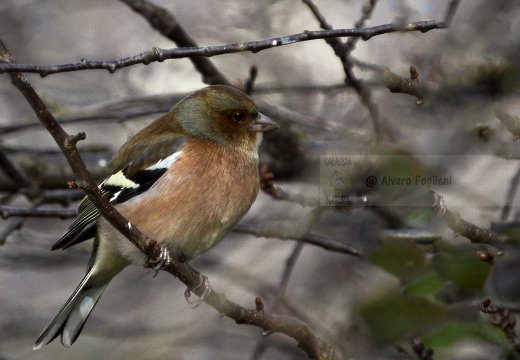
(187, 198)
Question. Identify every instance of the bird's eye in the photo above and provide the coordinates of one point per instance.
(238, 116)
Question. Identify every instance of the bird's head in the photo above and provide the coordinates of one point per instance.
(222, 114)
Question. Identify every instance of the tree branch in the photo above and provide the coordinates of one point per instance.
(305, 237)
(313, 346)
(462, 227)
(367, 11)
(342, 51)
(276, 192)
(511, 122)
(16, 223)
(250, 81)
(13, 173)
(398, 84)
(164, 22)
(450, 11)
(135, 107)
(16, 211)
(278, 294)
(158, 54)
(510, 197)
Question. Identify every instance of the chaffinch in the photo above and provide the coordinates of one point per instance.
(185, 180)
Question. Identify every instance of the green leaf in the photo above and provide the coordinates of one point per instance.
(451, 334)
(402, 258)
(428, 285)
(464, 269)
(394, 316)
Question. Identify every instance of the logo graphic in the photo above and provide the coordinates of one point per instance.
(337, 182)
(386, 180)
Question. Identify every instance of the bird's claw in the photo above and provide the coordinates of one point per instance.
(204, 283)
(161, 262)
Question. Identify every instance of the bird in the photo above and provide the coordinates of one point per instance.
(185, 181)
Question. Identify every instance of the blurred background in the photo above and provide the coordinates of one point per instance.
(413, 285)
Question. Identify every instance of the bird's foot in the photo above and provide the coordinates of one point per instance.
(160, 262)
(205, 285)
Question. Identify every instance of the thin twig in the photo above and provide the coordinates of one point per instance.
(450, 12)
(12, 225)
(283, 233)
(279, 293)
(511, 122)
(16, 211)
(15, 224)
(511, 194)
(398, 84)
(67, 144)
(64, 197)
(158, 54)
(22, 183)
(119, 117)
(367, 11)
(163, 21)
(12, 171)
(342, 51)
(313, 346)
(250, 81)
(462, 227)
(276, 192)
(136, 107)
(367, 66)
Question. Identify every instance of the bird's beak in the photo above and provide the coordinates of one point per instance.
(263, 123)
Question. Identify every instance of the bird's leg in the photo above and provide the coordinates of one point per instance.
(164, 259)
(203, 284)
(161, 261)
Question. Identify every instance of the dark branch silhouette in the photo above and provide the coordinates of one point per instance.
(164, 22)
(342, 51)
(312, 345)
(158, 54)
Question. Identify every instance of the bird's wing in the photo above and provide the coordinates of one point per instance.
(130, 179)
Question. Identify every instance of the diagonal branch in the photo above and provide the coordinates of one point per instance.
(511, 194)
(10, 169)
(158, 54)
(462, 227)
(450, 11)
(279, 293)
(342, 51)
(368, 9)
(313, 346)
(67, 144)
(164, 22)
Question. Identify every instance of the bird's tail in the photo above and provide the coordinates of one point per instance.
(70, 320)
